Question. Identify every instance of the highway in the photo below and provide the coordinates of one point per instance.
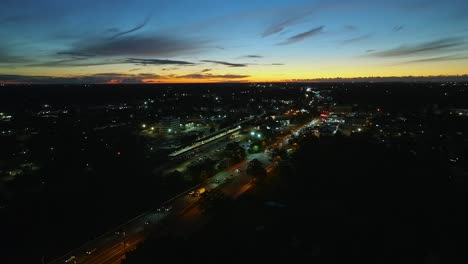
(183, 217)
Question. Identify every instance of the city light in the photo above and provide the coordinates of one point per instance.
(252, 133)
(143, 126)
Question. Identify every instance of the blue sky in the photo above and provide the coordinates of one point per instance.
(205, 40)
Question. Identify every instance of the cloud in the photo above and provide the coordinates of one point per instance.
(81, 79)
(350, 28)
(278, 64)
(398, 28)
(136, 69)
(89, 79)
(145, 62)
(357, 39)
(7, 57)
(276, 28)
(370, 50)
(436, 46)
(206, 70)
(74, 54)
(252, 57)
(226, 63)
(303, 36)
(438, 59)
(293, 16)
(112, 78)
(75, 62)
(161, 46)
(138, 27)
(212, 76)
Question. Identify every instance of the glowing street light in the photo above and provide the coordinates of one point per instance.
(143, 126)
(252, 133)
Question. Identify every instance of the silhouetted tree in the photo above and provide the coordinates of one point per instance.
(256, 170)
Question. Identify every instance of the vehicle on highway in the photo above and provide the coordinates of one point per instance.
(147, 222)
(238, 170)
(89, 252)
(199, 191)
(164, 208)
(191, 193)
(70, 259)
(216, 181)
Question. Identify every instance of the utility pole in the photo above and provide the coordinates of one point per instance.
(125, 242)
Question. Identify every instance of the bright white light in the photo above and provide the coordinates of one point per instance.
(252, 133)
(143, 126)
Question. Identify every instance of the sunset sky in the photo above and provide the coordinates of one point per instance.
(121, 41)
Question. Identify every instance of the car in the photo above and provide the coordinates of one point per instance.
(168, 208)
(216, 181)
(147, 222)
(238, 170)
(70, 259)
(191, 193)
(89, 252)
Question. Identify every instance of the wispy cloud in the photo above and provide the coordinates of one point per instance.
(114, 78)
(206, 70)
(398, 28)
(350, 28)
(293, 16)
(439, 59)
(302, 36)
(357, 39)
(161, 46)
(82, 79)
(138, 27)
(212, 76)
(251, 57)
(431, 47)
(230, 64)
(145, 62)
(7, 57)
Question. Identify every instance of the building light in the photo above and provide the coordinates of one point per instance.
(143, 126)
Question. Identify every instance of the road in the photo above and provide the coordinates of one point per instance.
(184, 217)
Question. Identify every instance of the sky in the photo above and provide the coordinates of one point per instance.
(153, 41)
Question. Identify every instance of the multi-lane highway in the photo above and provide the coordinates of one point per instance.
(182, 215)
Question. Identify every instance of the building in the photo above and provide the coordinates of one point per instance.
(169, 125)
